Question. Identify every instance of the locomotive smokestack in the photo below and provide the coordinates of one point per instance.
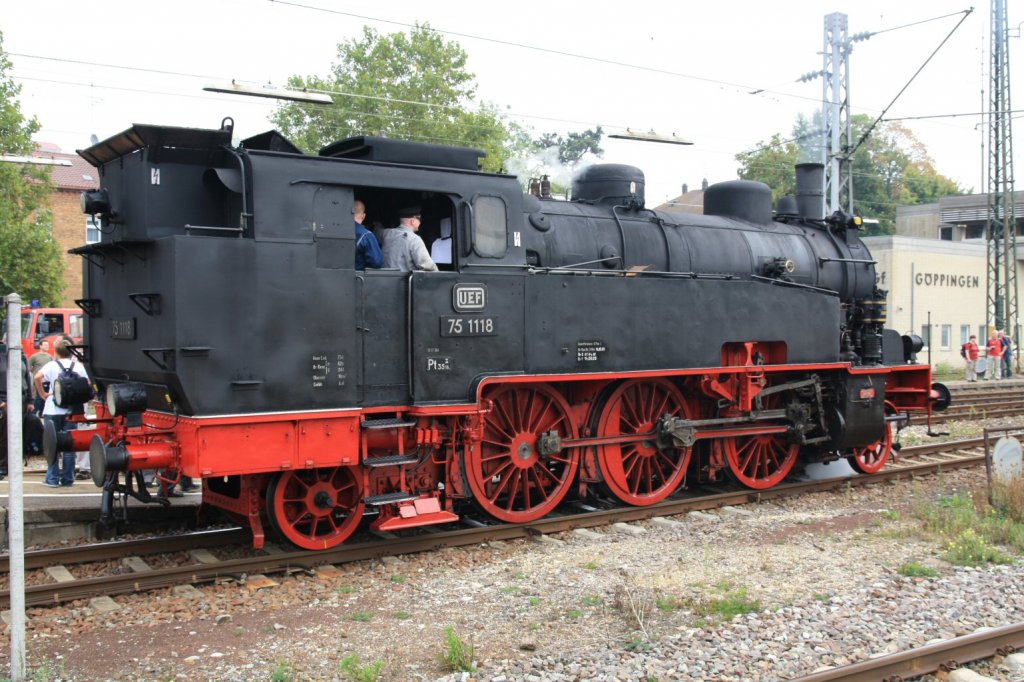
(686, 188)
(810, 194)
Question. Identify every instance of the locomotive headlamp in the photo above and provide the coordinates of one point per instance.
(125, 398)
(96, 202)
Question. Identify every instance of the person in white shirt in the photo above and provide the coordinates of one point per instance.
(62, 471)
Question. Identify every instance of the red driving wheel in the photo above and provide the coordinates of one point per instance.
(512, 478)
(642, 473)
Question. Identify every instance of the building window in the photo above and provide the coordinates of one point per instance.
(926, 335)
(975, 232)
(947, 336)
(92, 230)
(965, 333)
(982, 334)
(946, 233)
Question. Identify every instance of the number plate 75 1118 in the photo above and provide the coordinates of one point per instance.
(469, 325)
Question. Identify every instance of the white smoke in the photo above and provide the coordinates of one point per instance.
(545, 162)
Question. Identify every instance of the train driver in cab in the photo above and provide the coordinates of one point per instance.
(403, 248)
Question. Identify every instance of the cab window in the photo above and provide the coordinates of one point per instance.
(490, 237)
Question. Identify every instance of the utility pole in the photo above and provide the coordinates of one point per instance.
(835, 114)
(1001, 285)
(836, 128)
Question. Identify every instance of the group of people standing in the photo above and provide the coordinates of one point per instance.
(399, 248)
(998, 354)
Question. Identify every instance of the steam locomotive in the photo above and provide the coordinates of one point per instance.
(591, 347)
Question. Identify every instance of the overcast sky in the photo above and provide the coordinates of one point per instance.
(720, 73)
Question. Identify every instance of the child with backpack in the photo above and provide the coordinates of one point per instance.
(62, 471)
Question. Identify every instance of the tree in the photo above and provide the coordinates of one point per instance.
(573, 146)
(411, 86)
(891, 168)
(30, 262)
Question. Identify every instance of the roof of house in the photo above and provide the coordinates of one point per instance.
(691, 202)
(77, 176)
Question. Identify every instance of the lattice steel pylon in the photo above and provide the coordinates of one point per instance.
(1001, 287)
(835, 110)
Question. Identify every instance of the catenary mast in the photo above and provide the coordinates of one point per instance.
(1001, 309)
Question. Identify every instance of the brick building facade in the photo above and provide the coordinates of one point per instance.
(71, 176)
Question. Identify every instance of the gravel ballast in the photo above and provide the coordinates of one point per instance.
(820, 575)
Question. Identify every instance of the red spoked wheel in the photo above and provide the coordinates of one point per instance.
(871, 458)
(642, 473)
(762, 460)
(511, 478)
(315, 508)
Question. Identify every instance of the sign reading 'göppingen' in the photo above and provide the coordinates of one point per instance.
(934, 279)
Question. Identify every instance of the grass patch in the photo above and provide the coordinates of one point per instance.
(457, 656)
(534, 601)
(345, 589)
(973, 532)
(283, 671)
(575, 614)
(520, 576)
(890, 514)
(591, 565)
(916, 569)
(510, 589)
(351, 668)
(591, 600)
(667, 603)
(361, 616)
(732, 602)
(403, 615)
(398, 579)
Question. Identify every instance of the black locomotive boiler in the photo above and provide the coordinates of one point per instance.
(571, 348)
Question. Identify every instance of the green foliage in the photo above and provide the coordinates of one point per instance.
(575, 614)
(915, 569)
(890, 168)
(732, 602)
(345, 589)
(457, 656)
(361, 616)
(973, 532)
(534, 601)
(591, 600)
(30, 259)
(283, 671)
(351, 668)
(667, 603)
(398, 579)
(591, 565)
(573, 146)
(403, 615)
(411, 86)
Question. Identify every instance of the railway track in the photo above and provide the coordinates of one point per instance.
(203, 567)
(941, 657)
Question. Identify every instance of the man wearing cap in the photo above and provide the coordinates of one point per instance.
(403, 248)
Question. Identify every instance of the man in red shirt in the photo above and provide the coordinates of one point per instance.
(970, 353)
(995, 357)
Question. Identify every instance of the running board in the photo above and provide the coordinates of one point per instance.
(390, 498)
(387, 423)
(390, 460)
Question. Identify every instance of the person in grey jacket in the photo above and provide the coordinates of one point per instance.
(403, 248)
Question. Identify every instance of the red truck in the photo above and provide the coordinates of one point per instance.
(40, 323)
